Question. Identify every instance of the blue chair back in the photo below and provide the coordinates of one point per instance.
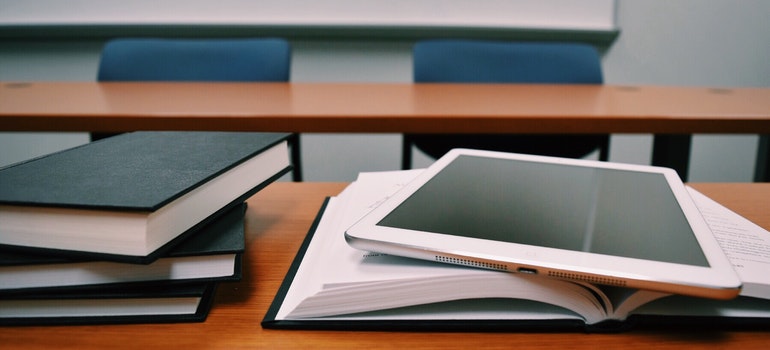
(478, 61)
(468, 61)
(199, 60)
(137, 59)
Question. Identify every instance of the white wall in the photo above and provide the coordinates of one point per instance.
(686, 42)
(707, 43)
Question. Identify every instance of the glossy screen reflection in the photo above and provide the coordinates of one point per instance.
(604, 211)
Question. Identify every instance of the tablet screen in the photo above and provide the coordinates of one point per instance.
(605, 211)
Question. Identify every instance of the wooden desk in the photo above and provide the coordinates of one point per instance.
(277, 221)
(673, 113)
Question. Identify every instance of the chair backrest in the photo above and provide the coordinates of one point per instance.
(204, 60)
(478, 61)
(470, 61)
(137, 59)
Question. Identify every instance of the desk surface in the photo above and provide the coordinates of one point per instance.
(377, 107)
(277, 220)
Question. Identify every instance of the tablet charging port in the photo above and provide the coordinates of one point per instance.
(527, 270)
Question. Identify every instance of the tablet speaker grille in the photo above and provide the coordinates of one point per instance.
(473, 263)
(588, 278)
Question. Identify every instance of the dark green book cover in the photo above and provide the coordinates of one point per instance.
(140, 303)
(146, 174)
(221, 239)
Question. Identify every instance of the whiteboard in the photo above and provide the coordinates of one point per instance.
(592, 15)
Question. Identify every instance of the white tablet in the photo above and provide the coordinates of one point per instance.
(606, 223)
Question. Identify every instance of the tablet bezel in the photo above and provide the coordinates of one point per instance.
(718, 280)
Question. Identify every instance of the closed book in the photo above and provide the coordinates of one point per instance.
(141, 303)
(211, 254)
(133, 196)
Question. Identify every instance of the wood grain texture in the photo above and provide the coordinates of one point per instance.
(378, 107)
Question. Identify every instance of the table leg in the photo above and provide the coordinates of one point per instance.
(763, 159)
(672, 151)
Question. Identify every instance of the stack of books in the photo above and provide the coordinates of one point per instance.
(138, 227)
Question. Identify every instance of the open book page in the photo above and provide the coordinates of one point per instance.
(745, 243)
(336, 279)
(323, 261)
(626, 300)
(340, 282)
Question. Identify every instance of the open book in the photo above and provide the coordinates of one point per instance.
(332, 285)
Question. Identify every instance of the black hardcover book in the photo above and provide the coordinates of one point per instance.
(139, 303)
(212, 253)
(132, 197)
